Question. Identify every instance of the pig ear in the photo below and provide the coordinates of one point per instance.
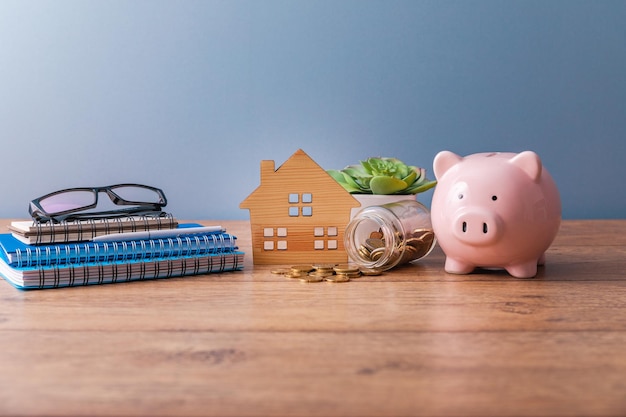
(443, 161)
(529, 162)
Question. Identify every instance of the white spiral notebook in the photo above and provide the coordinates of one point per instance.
(35, 233)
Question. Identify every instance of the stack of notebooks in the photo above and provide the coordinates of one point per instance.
(50, 255)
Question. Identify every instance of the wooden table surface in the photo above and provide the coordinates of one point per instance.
(414, 341)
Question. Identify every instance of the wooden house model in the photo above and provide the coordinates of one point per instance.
(298, 214)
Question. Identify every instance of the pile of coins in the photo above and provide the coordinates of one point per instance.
(415, 245)
(323, 272)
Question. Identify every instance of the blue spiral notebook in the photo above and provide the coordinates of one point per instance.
(19, 254)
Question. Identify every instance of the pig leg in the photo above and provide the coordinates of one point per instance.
(525, 270)
(542, 259)
(455, 266)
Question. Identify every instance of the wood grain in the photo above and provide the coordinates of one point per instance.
(414, 341)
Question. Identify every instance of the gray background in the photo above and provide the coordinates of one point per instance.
(190, 96)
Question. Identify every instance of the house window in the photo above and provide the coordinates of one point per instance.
(300, 204)
(273, 238)
(325, 238)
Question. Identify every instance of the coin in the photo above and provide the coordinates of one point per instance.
(311, 278)
(338, 278)
(428, 239)
(364, 252)
(377, 235)
(374, 243)
(345, 268)
(323, 271)
(324, 266)
(376, 254)
(280, 271)
(370, 271)
(322, 274)
(302, 268)
(294, 274)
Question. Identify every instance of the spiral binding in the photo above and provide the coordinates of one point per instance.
(134, 250)
(104, 273)
(86, 229)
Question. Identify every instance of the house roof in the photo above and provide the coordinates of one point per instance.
(299, 173)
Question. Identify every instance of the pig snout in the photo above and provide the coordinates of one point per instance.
(476, 226)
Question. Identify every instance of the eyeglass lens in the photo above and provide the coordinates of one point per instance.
(137, 194)
(71, 200)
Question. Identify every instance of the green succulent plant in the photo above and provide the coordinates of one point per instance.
(382, 176)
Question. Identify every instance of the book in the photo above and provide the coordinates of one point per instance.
(90, 273)
(32, 232)
(16, 253)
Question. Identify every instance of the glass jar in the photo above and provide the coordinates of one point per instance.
(381, 237)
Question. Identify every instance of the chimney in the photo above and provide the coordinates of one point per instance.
(267, 169)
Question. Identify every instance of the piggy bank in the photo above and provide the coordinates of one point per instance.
(494, 210)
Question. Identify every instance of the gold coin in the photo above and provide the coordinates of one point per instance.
(293, 274)
(280, 271)
(377, 254)
(374, 243)
(324, 266)
(370, 271)
(414, 247)
(311, 278)
(428, 239)
(344, 268)
(364, 252)
(338, 278)
(425, 235)
(324, 270)
(302, 268)
(321, 274)
(422, 252)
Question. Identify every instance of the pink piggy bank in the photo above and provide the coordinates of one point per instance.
(494, 210)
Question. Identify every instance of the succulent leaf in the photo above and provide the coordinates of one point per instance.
(354, 184)
(410, 178)
(420, 187)
(386, 185)
(337, 175)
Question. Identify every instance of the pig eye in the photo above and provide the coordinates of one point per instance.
(494, 197)
(460, 196)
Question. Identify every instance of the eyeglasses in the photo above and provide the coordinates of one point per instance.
(77, 203)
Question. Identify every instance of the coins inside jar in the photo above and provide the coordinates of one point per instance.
(415, 245)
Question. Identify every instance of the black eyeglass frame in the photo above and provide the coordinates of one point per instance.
(38, 213)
